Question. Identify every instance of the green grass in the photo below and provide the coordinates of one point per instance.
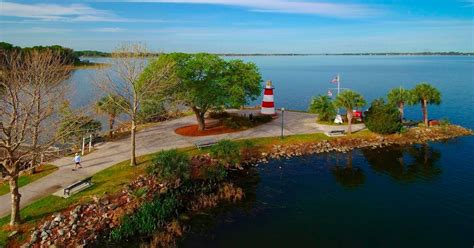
(26, 179)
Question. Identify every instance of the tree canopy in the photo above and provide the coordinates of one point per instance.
(425, 94)
(206, 81)
(349, 100)
(324, 107)
(383, 118)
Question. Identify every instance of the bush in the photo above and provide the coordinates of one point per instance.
(383, 118)
(151, 216)
(261, 119)
(227, 152)
(171, 165)
(242, 122)
(214, 173)
(219, 115)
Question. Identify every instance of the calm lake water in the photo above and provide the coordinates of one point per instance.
(414, 196)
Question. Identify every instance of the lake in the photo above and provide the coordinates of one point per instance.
(414, 196)
(298, 78)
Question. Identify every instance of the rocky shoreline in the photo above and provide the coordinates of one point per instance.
(81, 225)
(345, 144)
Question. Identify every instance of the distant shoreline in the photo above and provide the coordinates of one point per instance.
(105, 55)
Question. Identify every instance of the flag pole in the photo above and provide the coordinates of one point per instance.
(338, 88)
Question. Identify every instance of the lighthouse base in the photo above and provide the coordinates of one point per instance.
(268, 111)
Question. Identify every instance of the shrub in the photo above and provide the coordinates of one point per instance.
(227, 152)
(149, 217)
(261, 119)
(219, 115)
(215, 172)
(171, 165)
(241, 122)
(383, 118)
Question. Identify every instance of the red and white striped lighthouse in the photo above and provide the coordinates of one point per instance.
(268, 104)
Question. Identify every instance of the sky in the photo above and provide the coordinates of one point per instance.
(243, 26)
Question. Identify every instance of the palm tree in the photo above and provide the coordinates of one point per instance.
(112, 106)
(349, 100)
(425, 94)
(323, 106)
(399, 97)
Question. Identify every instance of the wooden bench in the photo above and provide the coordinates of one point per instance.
(205, 143)
(86, 181)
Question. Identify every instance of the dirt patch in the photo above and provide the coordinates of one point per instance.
(192, 130)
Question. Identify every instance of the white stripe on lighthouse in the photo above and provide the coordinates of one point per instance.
(268, 111)
(268, 98)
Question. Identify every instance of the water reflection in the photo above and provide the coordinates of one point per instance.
(348, 176)
(406, 164)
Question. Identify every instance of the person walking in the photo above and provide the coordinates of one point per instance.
(77, 160)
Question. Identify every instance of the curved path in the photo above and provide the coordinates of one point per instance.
(153, 139)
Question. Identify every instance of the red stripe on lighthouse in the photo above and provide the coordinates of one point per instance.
(268, 92)
(268, 104)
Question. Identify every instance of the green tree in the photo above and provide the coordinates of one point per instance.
(349, 100)
(206, 82)
(425, 94)
(383, 118)
(110, 105)
(324, 107)
(399, 97)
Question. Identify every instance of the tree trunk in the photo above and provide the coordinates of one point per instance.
(425, 112)
(200, 119)
(133, 161)
(15, 201)
(400, 108)
(111, 125)
(34, 146)
(349, 121)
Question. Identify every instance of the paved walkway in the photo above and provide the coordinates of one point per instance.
(153, 139)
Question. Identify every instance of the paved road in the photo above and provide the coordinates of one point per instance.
(153, 139)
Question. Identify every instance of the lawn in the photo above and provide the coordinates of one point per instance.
(23, 180)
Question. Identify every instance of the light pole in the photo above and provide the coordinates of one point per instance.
(282, 114)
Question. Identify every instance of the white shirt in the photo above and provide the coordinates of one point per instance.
(77, 159)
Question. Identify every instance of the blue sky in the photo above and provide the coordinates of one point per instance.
(243, 26)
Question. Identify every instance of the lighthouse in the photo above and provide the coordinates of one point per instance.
(268, 104)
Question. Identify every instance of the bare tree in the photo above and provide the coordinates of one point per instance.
(125, 79)
(23, 111)
(45, 73)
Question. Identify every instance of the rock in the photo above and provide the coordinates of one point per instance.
(44, 234)
(12, 234)
(60, 232)
(104, 202)
(112, 206)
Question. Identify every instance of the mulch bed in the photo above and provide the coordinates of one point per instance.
(192, 130)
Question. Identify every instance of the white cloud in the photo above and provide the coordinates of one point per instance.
(287, 6)
(108, 30)
(64, 13)
(36, 30)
